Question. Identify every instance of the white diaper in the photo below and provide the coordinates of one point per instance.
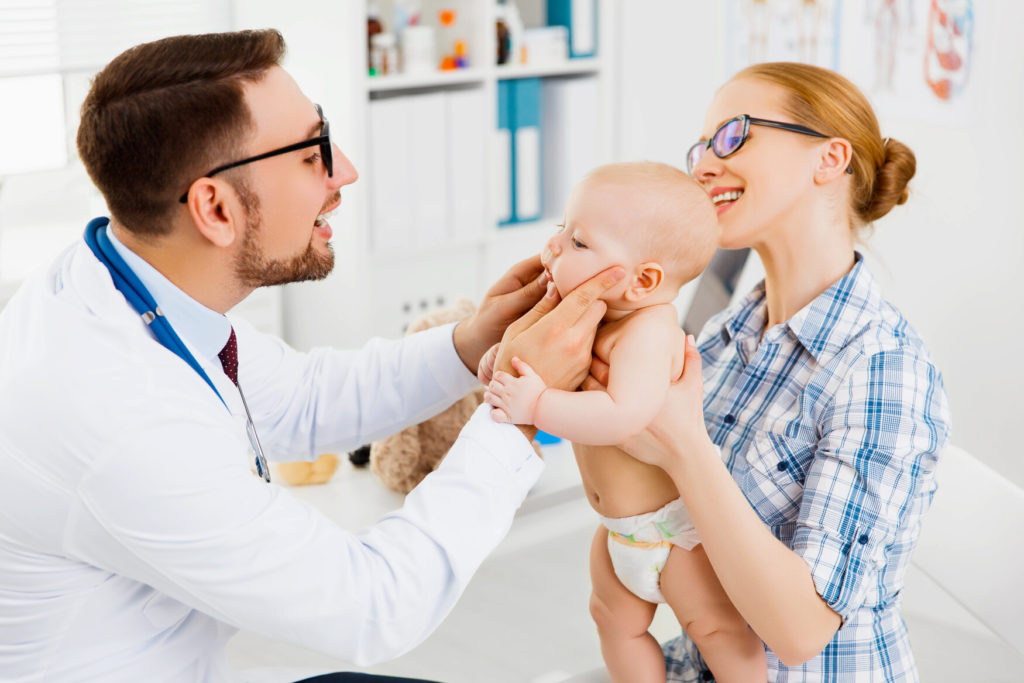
(639, 546)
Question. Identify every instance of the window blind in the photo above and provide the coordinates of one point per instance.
(48, 36)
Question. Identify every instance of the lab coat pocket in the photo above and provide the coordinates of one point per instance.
(775, 479)
(164, 612)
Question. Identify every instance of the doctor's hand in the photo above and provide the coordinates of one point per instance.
(511, 296)
(556, 337)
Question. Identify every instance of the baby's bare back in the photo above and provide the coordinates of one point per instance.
(617, 484)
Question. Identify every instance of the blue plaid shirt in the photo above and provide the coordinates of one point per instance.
(832, 426)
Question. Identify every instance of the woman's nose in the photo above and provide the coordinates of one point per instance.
(709, 167)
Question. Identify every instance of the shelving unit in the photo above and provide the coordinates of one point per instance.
(377, 289)
(440, 79)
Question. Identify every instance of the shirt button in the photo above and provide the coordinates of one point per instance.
(863, 540)
(729, 419)
(782, 466)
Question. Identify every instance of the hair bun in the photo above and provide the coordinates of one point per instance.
(891, 179)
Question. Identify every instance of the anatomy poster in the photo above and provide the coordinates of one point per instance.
(912, 57)
(782, 30)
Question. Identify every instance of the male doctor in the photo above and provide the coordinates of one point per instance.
(135, 537)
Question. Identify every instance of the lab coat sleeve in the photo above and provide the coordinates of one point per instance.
(305, 404)
(180, 511)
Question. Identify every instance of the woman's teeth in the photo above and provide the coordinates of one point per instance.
(727, 197)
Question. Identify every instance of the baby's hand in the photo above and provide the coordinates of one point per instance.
(515, 398)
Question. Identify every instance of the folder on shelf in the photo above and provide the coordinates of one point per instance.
(527, 150)
(465, 119)
(427, 156)
(571, 138)
(390, 225)
(502, 171)
(580, 17)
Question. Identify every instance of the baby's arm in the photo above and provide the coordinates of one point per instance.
(640, 367)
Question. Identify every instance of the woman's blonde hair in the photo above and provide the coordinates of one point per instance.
(829, 103)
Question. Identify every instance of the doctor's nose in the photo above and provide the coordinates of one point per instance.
(344, 172)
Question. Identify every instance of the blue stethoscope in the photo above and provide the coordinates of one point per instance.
(128, 283)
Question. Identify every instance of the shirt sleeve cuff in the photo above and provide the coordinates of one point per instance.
(445, 365)
(504, 444)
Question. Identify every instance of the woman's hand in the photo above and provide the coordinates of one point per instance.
(556, 337)
(678, 428)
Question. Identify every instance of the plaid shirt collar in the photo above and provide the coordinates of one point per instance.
(819, 326)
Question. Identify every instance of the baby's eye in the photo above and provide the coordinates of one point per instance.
(579, 245)
(560, 227)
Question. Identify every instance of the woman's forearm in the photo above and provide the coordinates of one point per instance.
(769, 584)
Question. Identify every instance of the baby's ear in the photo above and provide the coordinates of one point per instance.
(647, 278)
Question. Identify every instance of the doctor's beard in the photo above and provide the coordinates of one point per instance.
(255, 270)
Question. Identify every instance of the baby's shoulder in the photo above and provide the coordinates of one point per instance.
(661, 318)
(657, 324)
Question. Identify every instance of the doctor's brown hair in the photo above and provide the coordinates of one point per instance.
(162, 114)
(827, 102)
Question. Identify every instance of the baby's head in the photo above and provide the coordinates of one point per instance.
(652, 218)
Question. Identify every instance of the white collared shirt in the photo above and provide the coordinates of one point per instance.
(134, 539)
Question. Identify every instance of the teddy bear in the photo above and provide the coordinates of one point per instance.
(403, 459)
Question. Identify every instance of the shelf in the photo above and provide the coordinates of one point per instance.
(436, 79)
(584, 65)
(477, 75)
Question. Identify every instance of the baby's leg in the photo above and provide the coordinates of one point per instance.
(729, 646)
(630, 652)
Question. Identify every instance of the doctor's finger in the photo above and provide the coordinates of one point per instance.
(526, 273)
(548, 303)
(578, 304)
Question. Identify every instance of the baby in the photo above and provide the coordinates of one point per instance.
(658, 223)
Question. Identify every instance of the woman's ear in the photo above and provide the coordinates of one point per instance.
(836, 157)
(216, 211)
(646, 280)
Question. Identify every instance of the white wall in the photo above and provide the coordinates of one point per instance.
(949, 257)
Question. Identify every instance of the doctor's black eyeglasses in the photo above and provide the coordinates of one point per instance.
(323, 140)
(731, 135)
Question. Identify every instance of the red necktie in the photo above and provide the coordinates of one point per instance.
(229, 358)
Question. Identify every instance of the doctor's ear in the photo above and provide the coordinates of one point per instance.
(216, 210)
(645, 281)
(836, 157)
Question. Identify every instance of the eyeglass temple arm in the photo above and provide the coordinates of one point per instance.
(284, 150)
(792, 127)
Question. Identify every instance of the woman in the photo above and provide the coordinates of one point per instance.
(812, 464)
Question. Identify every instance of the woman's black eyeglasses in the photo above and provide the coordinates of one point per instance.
(323, 140)
(731, 135)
